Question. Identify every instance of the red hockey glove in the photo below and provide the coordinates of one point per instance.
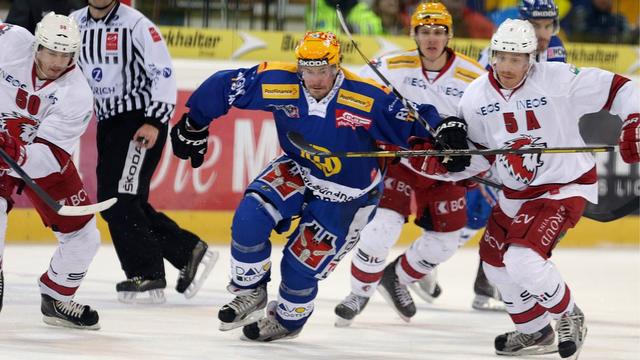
(430, 165)
(13, 148)
(630, 139)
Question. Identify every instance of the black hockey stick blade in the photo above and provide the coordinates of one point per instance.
(64, 210)
(626, 209)
(299, 142)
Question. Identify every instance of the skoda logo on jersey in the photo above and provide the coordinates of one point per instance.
(96, 74)
(166, 72)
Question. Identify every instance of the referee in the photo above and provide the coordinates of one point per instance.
(128, 67)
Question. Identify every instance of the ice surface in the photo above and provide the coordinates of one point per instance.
(605, 281)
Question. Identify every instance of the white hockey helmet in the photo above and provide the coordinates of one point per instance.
(515, 36)
(58, 33)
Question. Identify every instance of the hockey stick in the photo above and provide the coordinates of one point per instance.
(64, 210)
(616, 214)
(299, 142)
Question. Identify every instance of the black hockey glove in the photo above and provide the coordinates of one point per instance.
(452, 134)
(188, 142)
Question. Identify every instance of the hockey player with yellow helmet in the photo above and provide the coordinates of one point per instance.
(333, 198)
(431, 73)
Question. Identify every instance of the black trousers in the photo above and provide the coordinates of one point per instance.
(142, 236)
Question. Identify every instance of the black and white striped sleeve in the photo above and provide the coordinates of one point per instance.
(159, 69)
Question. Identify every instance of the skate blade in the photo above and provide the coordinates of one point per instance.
(208, 262)
(155, 297)
(536, 350)
(421, 293)
(485, 303)
(387, 297)
(342, 322)
(54, 321)
(251, 318)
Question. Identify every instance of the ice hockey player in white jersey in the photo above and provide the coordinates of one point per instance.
(520, 104)
(432, 73)
(46, 105)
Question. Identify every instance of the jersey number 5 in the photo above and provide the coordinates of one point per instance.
(511, 124)
(29, 102)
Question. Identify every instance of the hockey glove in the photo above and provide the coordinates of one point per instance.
(13, 148)
(630, 139)
(430, 165)
(189, 142)
(452, 134)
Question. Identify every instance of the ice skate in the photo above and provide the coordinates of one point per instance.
(68, 314)
(246, 308)
(571, 333)
(347, 310)
(201, 258)
(515, 343)
(138, 290)
(427, 288)
(396, 294)
(487, 297)
(268, 328)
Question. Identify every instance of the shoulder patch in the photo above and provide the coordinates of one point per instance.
(280, 91)
(266, 66)
(574, 69)
(355, 100)
(354, 77)
(470, 61)
(464, 74)
(403, 61)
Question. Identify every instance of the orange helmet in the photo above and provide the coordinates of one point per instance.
(431, 13)
(318, 48)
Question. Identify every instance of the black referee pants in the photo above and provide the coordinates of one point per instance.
(142, 236)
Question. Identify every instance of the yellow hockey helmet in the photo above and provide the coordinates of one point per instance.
(318, 48)
(431, 13)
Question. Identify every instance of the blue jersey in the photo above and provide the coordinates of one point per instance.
(352, 117)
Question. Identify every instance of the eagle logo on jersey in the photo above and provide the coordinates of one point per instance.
(284, 179)
(313, 244)
(19, 126)
(522, 167)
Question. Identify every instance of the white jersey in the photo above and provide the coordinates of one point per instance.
(55, 112)
(442, 89)
(543, 112)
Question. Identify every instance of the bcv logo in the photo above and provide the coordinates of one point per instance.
(96, 74)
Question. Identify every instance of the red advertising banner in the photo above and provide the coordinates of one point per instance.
(241, 143)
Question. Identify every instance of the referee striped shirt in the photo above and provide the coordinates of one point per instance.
(127, 65)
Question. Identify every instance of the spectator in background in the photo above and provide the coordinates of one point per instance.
(390, 14)
(27, 13)
(359, 16)
(596, 22)
(500, 10)
(469, 24)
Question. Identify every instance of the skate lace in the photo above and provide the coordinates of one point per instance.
(354, 302)
(243, 302)
(70, 308)
(567, 327)
(402, 294)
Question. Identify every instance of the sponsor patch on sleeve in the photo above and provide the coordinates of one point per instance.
(154, 34)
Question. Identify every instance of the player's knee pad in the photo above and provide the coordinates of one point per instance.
(434, 247)
(253, 221)
(379, 235)
(529, 269)
(81, 245)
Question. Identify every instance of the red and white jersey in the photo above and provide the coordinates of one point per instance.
(543, 112)
(56, 112)
(442, 89)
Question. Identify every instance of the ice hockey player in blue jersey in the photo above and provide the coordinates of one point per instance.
(333, 198)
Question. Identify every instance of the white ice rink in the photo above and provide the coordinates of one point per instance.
(606, 283)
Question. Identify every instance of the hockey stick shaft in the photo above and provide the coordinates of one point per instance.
(48, 200)
(298, 141)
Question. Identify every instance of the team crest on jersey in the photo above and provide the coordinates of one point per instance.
(284, 179)
(313, 245)
(19, 126)
(522, 167)
(348, 119)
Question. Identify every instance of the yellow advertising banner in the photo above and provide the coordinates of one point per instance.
(278, 46)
